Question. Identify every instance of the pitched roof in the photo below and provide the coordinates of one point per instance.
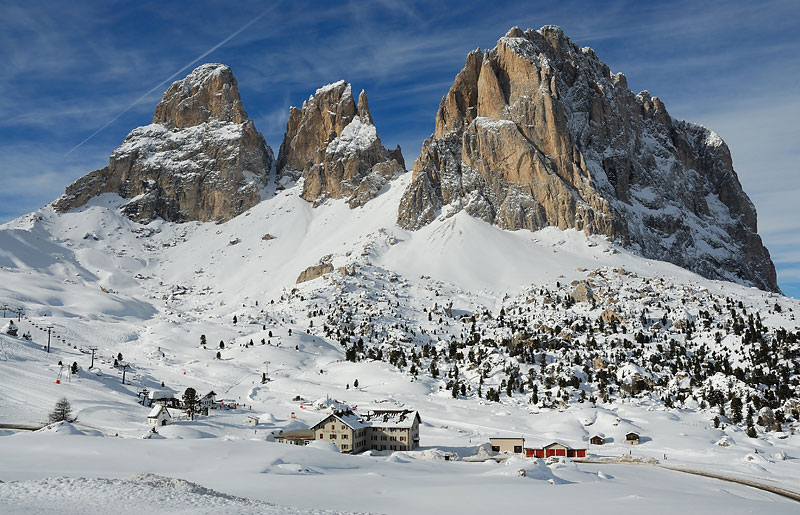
(156, 411)
(554, 444)
(161, 394)
(400, 418)
(349, 418)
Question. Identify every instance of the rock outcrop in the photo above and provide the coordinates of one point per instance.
(539, 132)
(332, 143)
(314, 271)
(201, 158)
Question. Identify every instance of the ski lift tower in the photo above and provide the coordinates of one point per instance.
(49, 329)
(265, 375)
(125, 368)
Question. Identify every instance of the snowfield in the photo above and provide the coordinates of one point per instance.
(148, 292)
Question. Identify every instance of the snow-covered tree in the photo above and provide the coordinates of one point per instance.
(62, 411)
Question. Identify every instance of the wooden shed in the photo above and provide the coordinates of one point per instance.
(632, 438)
(598, 439)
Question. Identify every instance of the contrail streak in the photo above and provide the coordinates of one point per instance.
(161, 84)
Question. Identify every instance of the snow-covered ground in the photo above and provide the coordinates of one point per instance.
(149, 292)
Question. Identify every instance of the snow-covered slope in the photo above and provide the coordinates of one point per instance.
(149, 292)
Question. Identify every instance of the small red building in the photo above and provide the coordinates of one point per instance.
(555, 449)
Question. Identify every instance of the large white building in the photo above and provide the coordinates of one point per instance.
(388, 429)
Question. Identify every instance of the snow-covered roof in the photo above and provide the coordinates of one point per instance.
(160, 394)
(556, 444)
(156, 411)
(392, 418)
(350, 418)
(397, 418)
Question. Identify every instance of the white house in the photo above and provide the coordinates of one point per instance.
(208, 400)
(251, 420)
(159, 416)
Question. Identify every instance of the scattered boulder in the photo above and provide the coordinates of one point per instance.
(582, 292)
(609, 315)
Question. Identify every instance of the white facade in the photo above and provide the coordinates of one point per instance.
(159, 416)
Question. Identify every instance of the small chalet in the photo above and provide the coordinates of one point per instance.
(208, 400)
(300, 437)
(251, 420)
(598, 439)
(159, 416)
(507, 445)
(632, 438)
(10, 328)
(555, 449)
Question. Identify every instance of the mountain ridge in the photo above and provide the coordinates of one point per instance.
(533, 133)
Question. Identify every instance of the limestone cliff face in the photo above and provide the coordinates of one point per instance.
(201, 158)
(539, 132)
(332, 143)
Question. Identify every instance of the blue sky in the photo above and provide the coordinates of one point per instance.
(69, 68)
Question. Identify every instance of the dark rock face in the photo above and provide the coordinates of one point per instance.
(333, 145)
(538, 132)
(201, 158)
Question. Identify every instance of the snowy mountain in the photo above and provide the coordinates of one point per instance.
(201, 158)
(552, 333)
(538, 132)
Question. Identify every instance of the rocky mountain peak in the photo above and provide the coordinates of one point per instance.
(334, 146)
(537, 131)
(201, 158)
(210, 92)
(363, 108)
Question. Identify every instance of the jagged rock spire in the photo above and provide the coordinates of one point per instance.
(201, 158)
(332, 143)
(539, 132)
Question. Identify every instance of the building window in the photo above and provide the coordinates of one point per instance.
(393, 438)
(342, 427)
(333, 436)
(402, 438)
(344, 437)
(496, 448)
(383, 438)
